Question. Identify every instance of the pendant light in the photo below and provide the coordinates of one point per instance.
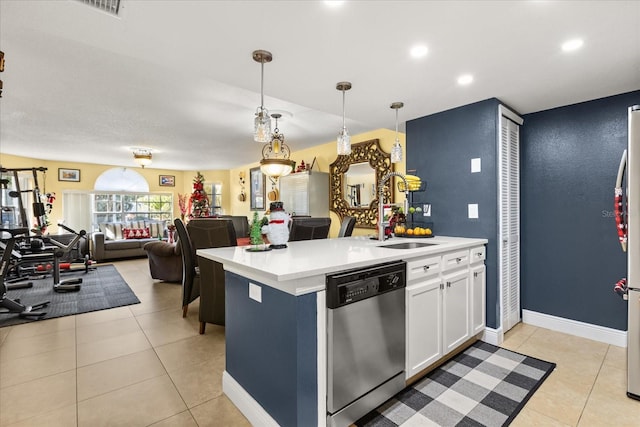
(344, 140)
(142, 156)
(396, 150)
(275, 155)
(262, 122)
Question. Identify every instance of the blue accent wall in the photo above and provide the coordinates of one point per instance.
(440, 148)
(271, 350)
(571, 257)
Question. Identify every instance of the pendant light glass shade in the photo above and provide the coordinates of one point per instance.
(262, 122)
(275, 155)
(344, 140)
(396, 150)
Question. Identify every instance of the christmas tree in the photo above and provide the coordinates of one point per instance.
(199, 199)
(256, 230)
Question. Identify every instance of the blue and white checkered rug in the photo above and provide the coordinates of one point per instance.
(483, 386)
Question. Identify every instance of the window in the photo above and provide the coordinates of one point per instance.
(214, 193)
(118, 207)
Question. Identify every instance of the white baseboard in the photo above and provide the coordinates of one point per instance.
(573, 327)
(251, 409)
(493, 336)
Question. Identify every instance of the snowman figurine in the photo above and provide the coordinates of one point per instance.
(277, 230)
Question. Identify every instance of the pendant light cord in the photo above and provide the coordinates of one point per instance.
(262, 85)
(344, 122)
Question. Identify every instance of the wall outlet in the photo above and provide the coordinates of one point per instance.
(426, 209)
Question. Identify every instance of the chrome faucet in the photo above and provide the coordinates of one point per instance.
(381, 224)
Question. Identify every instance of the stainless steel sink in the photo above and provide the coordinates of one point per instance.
(407, 245)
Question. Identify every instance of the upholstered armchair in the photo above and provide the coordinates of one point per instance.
(165, 261)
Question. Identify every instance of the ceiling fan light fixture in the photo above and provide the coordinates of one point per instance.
(343, 140)
(262, 121)
(396, 149)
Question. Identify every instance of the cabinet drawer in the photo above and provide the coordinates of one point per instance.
(477, 254)
(455, 259)
(423, 267)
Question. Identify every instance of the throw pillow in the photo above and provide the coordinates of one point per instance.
(136, 233)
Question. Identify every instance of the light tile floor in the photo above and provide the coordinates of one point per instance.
(145, 365)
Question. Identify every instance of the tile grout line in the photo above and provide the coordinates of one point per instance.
(593, 385)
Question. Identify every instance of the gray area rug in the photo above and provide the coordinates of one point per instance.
(101, 289)
(483, 386)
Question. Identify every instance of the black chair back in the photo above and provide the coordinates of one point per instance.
(190, 277)
(346, 228)
(309, 228)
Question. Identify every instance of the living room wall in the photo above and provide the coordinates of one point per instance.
(325, 154)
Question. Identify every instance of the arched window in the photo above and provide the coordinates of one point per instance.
(121, 180)
(122, 195)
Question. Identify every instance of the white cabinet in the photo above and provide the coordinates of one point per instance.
(478, 288)
(456, 311)
(441, 305)
(424, 325)
(478, 298)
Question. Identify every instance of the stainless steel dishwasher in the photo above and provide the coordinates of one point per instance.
(365, 340)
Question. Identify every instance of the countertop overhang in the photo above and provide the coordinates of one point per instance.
(301, 267)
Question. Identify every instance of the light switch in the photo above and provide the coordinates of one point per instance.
(255, 292)
(473, 210)
(476, 165)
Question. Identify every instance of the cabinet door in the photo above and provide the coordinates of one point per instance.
(424, 325)
(478, 298)
(456, 310)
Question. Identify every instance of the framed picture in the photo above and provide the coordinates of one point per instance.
(167, 181)
(72, 175)
(256, 189)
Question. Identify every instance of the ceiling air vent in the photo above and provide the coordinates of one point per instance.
(110, 6)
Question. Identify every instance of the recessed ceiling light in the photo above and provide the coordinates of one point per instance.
(572, 45)
(419, 51)
(465, 79)
(334, 3)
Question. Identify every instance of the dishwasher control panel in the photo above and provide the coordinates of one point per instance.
(351, 286)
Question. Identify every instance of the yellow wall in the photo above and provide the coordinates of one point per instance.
(89, 172)
(325, 154)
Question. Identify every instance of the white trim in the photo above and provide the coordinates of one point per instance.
(493, 336)
(321, 336)
(504, 111)
(573, 327)
(249, 407)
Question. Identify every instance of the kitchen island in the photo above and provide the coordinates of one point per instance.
(276, 324)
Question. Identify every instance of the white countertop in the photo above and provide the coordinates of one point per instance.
(302, 266)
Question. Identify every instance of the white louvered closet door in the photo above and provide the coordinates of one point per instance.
(509, 222)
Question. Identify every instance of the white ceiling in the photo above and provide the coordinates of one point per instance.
(178, 76)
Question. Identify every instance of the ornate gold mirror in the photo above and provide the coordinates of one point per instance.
(353, 181)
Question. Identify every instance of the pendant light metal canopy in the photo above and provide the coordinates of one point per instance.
(344, 140)
(275, 155)
(262, 121)
(396, 150)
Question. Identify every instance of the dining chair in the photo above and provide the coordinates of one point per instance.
(211, 233)
(346, 227)
(309, 228)
(190, 271)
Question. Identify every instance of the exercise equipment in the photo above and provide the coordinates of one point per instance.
(68, 285)
(8, 305)
(39, 211)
